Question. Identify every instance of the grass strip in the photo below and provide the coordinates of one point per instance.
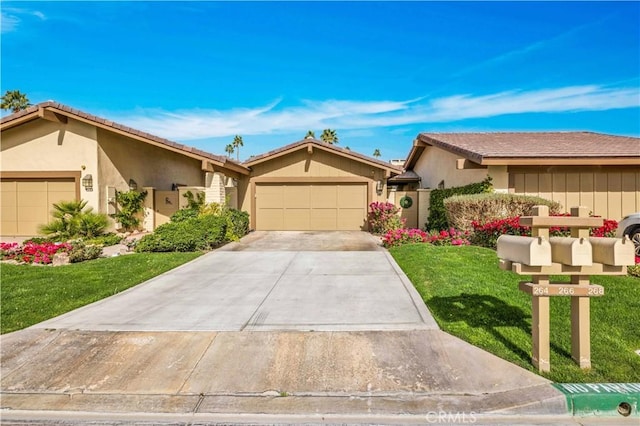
(471, 298)
(31, 294)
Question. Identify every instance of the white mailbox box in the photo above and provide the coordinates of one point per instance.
(613, 251)
(532, 251)
(571, 251)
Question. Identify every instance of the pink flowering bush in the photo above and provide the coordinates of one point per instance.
(32, 252)
(451, 237)
(383, 217)
(398, 237)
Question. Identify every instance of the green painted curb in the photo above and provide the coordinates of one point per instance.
(602, 399)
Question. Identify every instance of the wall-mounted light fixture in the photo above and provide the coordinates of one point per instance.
(87, 182)
(379, 187)
(133, 185)
(441, 184)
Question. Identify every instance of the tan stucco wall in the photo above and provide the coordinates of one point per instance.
(435, 165)
(302, 165)
(121, 158)
(42, 145)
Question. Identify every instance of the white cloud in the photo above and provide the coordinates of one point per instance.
(13, 17)
(358, 115)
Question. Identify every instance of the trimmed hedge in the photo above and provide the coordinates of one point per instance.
(199, 233)
(461, 210)
(437, 214)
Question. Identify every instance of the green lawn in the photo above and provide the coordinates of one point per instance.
(470, 297)
(31, 294)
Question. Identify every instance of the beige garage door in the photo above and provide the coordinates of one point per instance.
(315, 207)
(27, 203)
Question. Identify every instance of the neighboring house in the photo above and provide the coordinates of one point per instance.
(601, 172)
(51, 152)
(313, 185)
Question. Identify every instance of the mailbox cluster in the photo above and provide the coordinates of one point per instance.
(578, 256)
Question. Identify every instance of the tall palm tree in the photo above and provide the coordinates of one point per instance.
(376, 153)
(14, 100)
(229, 150)
(237, 143)
(329, 136)
(310, 134)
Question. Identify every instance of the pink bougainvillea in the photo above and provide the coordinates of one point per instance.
(31, 252)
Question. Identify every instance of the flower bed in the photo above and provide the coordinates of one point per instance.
(487, 234)
(39, 253)
(452, 237)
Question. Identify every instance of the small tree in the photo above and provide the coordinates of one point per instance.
(329, 136)
(376, 153)
(237, 143)
(229, 150)
(14, 100)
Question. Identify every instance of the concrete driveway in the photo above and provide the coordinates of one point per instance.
(336, 281)
(285, 327)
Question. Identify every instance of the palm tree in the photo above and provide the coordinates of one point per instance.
(14, 100)
(329, 136)
(229, 150)
(237, 143)
(376, 153)
(310, 134)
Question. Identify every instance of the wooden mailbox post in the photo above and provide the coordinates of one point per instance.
(578, 256)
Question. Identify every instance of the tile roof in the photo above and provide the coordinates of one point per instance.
(330, 147)
(560, 145)
(108, 123)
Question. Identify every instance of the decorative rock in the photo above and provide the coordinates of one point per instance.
(60, 258)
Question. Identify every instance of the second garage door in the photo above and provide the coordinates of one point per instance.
(315, 207)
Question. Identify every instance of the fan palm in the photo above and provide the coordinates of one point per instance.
(14, 100)
(237, 143)
(329, 136)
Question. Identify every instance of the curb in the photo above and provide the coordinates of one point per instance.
(602, 399)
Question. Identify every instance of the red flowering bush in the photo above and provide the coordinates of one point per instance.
(398, 237)
(32, 252)
(383, 217)
(452, 237)
(487, 234)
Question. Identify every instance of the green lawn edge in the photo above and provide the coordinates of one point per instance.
(471, 298)
(31, 294)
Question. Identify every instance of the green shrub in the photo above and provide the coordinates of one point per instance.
(437, 214)
(73, 219)
(105, 240)
(184, 214)
(200, 233)
(81, 252)
(237, 224)
(461, 210)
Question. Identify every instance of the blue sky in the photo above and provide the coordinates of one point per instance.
(376, 72)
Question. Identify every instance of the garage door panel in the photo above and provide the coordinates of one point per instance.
(32, 199)
(9, 228)
(297, 197)
(324, 219)
(58, 196)
(296, 219)
(352, 196)
(270, 196)
(350, 219)
(28, 227)
(270, 219)
(31, 186)
(324, 196)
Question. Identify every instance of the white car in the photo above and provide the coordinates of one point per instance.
(630, 226)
